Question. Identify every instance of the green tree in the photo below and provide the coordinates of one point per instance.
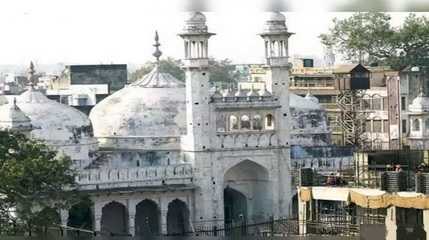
(33, 178)
(169, 65)
(222, 72)
(369, 38)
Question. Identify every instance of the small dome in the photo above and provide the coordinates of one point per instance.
(276, 17)
(420, 104)
(11, 117)
(53, 121)
(312, 98)
(275, 23)
(216, 93)
(299, 102)
(252, 93)
(264, 92)
(240, 93)
(228, 93)
(195, 17)
(195, 23)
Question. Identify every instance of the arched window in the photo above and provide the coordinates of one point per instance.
(416, 125)
(257, 122)
(245, 122)
(269, 122)
(233, 122)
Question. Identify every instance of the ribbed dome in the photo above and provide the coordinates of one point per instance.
(53, 121)
(275, 23)
(151, 107)
(195, 17)
(276, 17)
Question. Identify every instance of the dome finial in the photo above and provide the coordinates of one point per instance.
(157, 54)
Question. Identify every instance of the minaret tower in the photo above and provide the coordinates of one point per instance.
(196, 65)
(276, 37)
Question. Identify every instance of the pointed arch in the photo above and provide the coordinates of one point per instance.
(147, 219)
(114, 219)
(178, 222)
(253, 181)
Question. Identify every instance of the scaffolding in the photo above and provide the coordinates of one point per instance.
(352, 117)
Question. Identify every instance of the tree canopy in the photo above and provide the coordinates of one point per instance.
(222, 72)
(33, 178)
(370, 38)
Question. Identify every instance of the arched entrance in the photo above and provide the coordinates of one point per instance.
(114, 219)
(178, 218)
(80, 215)
(247, 193)
(147, 218)
(235, 206)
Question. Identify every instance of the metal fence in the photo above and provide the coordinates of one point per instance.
(273, 229)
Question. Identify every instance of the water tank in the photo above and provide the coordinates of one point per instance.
(306, 177)
(394, 181)
(422, 183)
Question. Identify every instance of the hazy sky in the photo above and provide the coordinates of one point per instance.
(113, 31)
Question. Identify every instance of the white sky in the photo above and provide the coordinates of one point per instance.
(113, 31)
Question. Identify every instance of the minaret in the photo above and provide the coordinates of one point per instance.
(276, 37)
(196, 65)
(30, 78)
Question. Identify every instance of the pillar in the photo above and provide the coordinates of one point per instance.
(426, 222)
(97, 216)
(304, 214)
(163, 205)
(391, 226)
(131, 205)
(64, 215)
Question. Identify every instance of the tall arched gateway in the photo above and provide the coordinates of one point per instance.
(247, 193)
(147, 219)
(114, 219)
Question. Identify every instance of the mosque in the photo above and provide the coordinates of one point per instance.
(166, 156)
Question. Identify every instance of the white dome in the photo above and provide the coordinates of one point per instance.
(11, 117)
(52, 121)
(312, 98)
(297, 102)
(195, 23)
(420, 104)
(275, 23)
(195, 17)
(276, 17)
(152, 107)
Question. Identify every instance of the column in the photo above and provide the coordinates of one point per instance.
(164, 210)
(131, 204)
(64, 214)
(391, 223)
(426, 222)
(303, 214)
(97, 216)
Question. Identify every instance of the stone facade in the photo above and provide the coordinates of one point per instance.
(169, 156)
(200, 157)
